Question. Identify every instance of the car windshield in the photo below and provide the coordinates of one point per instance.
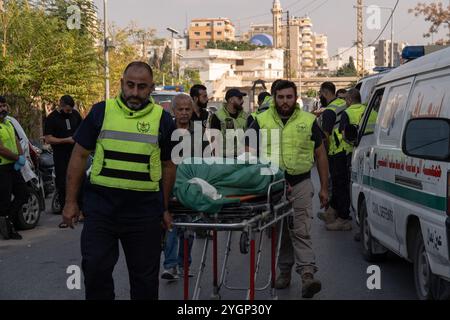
(165, 101)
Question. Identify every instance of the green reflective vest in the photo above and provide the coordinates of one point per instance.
(8, 139)
(354, 113)
(288, 145)
(337, 144)
(228, 122)
(127, 155)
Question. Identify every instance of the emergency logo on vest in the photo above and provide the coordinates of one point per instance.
(143, 127)
(301, 127)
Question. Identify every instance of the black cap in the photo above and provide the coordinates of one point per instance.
(234, 93)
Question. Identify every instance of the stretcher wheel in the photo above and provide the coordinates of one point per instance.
(244, 243)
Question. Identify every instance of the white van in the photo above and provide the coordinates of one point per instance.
(367, 84)
(401, 171)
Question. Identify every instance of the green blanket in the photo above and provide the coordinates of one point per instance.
(227, 179)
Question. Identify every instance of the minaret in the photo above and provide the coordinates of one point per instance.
(277, 13)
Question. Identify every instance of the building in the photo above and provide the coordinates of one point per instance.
(277, 14)
(201, 31)
(343, 57)
(383, 53)
(308, 51)
(222, 69)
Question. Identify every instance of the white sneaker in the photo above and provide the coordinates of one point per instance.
(170, 274)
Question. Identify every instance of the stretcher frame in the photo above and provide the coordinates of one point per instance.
(250, 219)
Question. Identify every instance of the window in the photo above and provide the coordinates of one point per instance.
(197, 33)
(371, 114)
(197, 44)
(427, 139)
(219, 23)
(196, 24)
(270, 66)
(208, 24)
(219, 33)
(208, 33)
(239, 62)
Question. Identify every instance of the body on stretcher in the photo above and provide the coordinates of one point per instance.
(251, 215)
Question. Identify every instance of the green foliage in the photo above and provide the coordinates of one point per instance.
(347, 70)
(311, 93)
(232, 45)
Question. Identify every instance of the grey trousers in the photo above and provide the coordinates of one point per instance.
(296, 243)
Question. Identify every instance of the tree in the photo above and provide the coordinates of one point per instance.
(231, 45)
(436, 14)
(348, 69)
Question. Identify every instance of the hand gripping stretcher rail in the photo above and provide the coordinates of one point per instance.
(252, 215)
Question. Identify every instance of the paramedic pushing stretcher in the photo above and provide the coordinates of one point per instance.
(126, 197)
(300, 142)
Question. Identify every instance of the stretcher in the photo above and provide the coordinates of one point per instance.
(251, 216)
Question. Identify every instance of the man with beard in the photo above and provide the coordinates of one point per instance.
(126, 196)
(336, 216)
(11, 181)
(230, 116)
(59, 128)
(199, 95)
(300, 142)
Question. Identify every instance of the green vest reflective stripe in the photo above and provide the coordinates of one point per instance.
(127, 155)
(8, 139)
(294, 150)
(338, 106)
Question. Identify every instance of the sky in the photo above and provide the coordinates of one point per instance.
(335, 18)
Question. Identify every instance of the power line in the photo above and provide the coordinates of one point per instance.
(386, 25)
(318, 7)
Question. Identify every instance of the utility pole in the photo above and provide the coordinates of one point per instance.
(288, 46)
(105, 15)
(360, 39)
(392, 38)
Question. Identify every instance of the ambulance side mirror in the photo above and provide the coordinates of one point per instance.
(427, 138)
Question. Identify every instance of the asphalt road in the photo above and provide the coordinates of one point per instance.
(35, 268)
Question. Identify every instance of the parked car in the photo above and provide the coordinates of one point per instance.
(401, 171)
(165, 99)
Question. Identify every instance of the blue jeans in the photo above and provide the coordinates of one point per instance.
(174, 245)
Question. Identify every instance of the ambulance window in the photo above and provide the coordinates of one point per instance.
(371, 115)
(392, 115)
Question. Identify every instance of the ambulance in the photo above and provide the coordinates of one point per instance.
(401, 171)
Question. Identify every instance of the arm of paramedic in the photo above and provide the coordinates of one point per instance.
(49, 139)
(250, 145)
(169, 172)
(8, 154)
(322, 167)
(75, 174)
(328, 121)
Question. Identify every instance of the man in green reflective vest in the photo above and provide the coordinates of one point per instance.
(229, 118)
(11, 182)
(294, 143)
(126, 195)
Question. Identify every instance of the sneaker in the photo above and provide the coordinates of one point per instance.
(310, 286)
(170, 274)
(181, 273)
(329, 216)
(283, 280)
(340, 225)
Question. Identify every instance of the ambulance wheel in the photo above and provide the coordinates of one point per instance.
(244, 243)
(423, 278)
(366, 237)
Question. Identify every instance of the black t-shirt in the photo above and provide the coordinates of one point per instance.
(316, 136)
(61, 126)
(203, 117)
(328, 121)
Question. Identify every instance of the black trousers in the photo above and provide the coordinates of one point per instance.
(11, 183)
(141, 243)
(61, 165)
(340, 184)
